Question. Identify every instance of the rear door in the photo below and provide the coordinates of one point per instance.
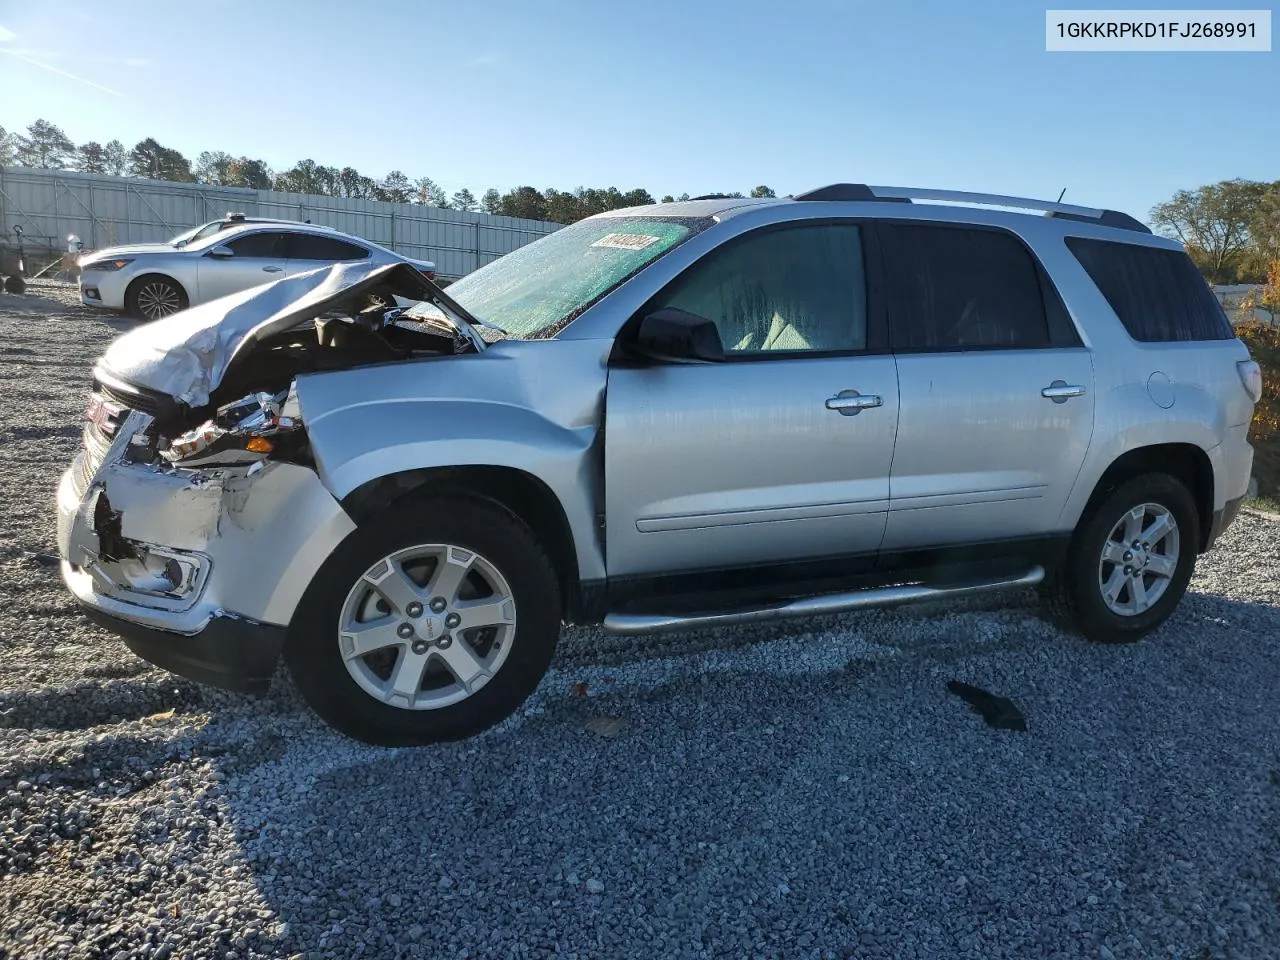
(257, 258)
(783, 451)
(996, 389)
(310, 251)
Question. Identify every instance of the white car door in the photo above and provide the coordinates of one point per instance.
(245, 260)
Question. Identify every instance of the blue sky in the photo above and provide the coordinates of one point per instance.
(671, 96)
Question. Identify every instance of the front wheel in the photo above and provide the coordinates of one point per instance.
(154, 296)
(431, 622)
(1130, 561)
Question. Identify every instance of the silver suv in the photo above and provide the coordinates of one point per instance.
(671, 416)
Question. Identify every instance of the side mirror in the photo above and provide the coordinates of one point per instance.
(678, 337)
(221, 252)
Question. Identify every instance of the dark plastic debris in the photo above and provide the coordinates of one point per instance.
(43, 559)
(999, 712)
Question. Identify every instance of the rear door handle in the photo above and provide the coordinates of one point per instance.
(1060, 391)
(272, 269)
(849, 403)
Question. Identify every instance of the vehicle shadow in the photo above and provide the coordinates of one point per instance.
(810, 786)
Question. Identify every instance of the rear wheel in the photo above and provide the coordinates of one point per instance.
(430, 623)
(152, 297)
(1129, 562)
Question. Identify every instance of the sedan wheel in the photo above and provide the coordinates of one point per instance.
(151, 298)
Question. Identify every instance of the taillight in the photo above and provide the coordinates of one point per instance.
(429, 274)
(1251, 377)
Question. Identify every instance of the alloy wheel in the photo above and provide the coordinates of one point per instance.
(158, 299)
(427, 626)
(1139, 559)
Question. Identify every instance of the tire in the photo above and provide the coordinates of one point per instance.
(15, 284)
(1075, 595)
(153, 296)
(373, 696)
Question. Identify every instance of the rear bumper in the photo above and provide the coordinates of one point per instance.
(233, 654)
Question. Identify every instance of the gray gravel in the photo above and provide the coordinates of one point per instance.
(806, 789)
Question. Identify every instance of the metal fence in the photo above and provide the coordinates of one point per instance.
(104, 211)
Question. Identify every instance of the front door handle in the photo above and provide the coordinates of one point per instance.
(1060, 391)
(272, 269)
(849, 403)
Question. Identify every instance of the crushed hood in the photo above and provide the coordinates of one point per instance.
(186, 355)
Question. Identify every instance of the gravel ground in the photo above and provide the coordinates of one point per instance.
(807, 790)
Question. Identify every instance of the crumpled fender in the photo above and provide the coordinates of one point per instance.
(531, 406)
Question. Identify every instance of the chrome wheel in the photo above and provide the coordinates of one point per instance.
(1139, 559)
(158, 298)
(427, 626)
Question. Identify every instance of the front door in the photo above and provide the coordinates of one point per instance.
(783, 451)
(257, 258)
(996, 389)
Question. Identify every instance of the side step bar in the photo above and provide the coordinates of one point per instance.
(638, 623)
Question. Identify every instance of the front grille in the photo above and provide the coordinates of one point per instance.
(133, 401)
(105, 417)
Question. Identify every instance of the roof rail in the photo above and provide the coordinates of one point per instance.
(1066, 211)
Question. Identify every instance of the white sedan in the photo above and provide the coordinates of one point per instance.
(154, 280)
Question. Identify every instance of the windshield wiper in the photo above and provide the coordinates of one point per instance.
(446, 303)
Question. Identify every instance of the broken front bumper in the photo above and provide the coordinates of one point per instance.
(199, 570)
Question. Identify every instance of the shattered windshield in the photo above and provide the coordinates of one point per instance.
(535, 290)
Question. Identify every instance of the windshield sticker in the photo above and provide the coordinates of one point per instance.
(626, 241)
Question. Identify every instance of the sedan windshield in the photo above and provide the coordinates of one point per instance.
(534, 291)
(197, 233)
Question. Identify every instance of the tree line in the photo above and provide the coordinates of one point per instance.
(1231, 229)
(46, 145)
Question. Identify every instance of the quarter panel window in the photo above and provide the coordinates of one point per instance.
(1158, 294)
(953, 288)
(780, 290)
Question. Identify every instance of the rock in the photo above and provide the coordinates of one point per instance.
(595, 886)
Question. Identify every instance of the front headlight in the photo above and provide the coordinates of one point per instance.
(115, 263)
(240, 432)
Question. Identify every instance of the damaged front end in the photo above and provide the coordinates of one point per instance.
(193, 518)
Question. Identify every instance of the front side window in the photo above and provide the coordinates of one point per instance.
(1158, 294)
(266, 244)
(954, 288)
(780, 290)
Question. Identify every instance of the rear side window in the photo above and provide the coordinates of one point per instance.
(953, 288)
(1159, 295)
(306, 246)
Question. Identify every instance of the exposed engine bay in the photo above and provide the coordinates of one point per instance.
(218, 383)
(266, 419)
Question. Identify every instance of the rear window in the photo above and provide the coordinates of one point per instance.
(1159, 295)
